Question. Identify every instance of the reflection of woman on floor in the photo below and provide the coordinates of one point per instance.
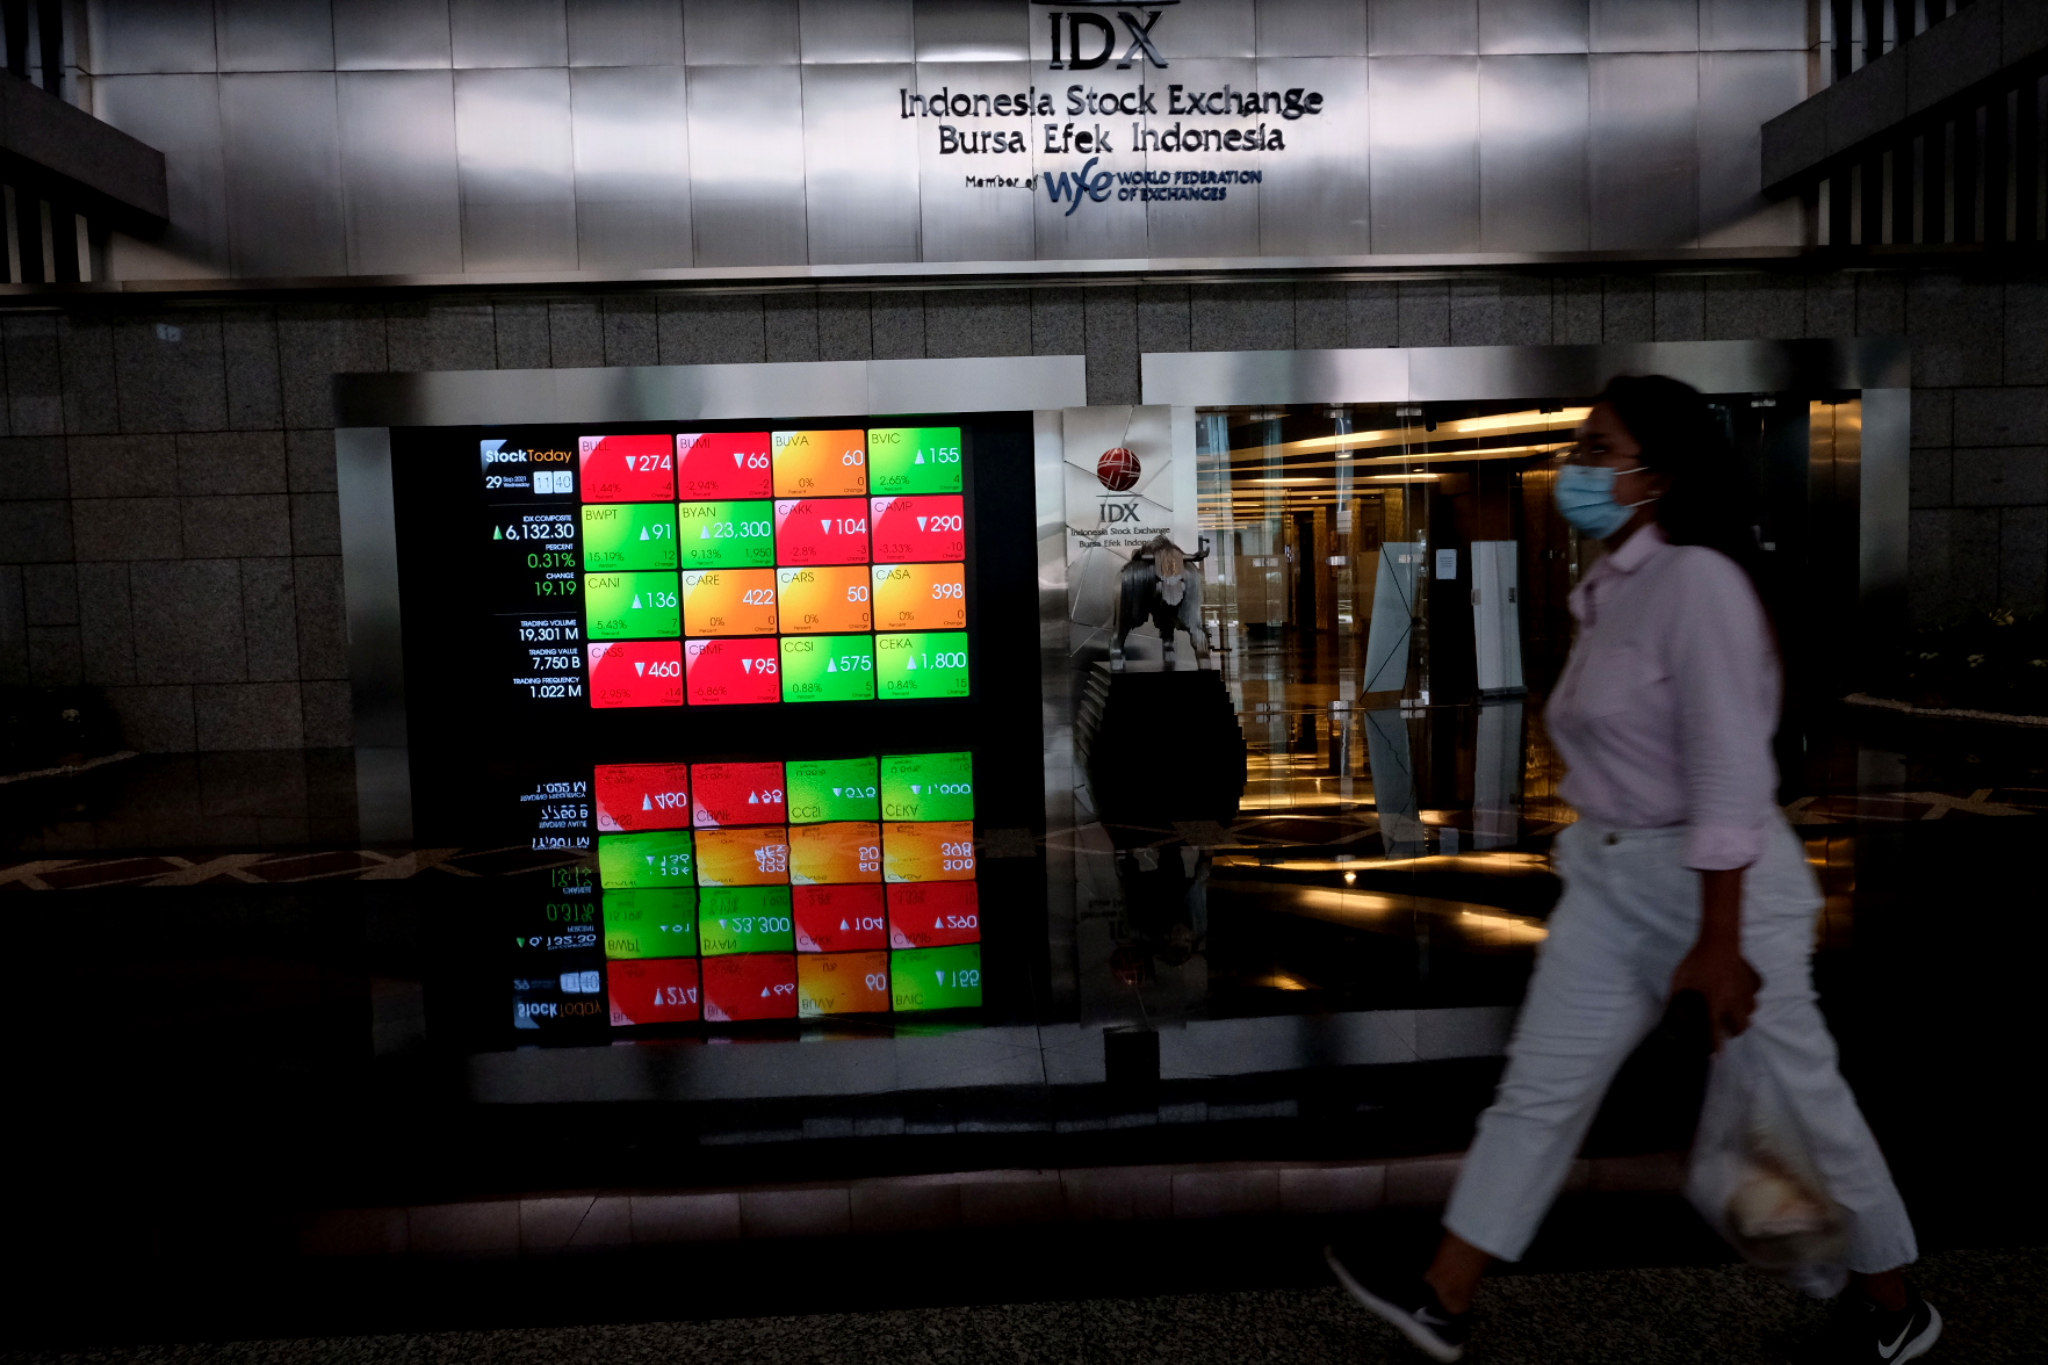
(1680, 875)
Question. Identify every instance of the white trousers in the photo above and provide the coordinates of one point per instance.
(1629, 913)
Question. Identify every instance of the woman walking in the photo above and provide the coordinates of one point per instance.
(1681, 874)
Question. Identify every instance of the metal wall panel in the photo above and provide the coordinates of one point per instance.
(1214, 28)
(747, 164)
(1645, 155)
(281, 137)
(1229, 227)
(1312, 28)
(1753, 25)
(1424, 28)
(403, 206)
(631, 143)
(390, 35)
(516, 169)
(1316, 199)
(625, 33)
(485, 33)
(1425, 154)
(1531, 26)
(180, 117)
(1646, 25)
(757, 33)
(865, 186)
(857, 30)
(1739, 91)
(972, 30)
(958, 221)
(137, 39)
(1534, 120)
(275, 35)
(1115, 228)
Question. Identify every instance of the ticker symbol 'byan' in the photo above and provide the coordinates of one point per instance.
(1118, 469)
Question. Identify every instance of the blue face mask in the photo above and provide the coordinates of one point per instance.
(1585, 494)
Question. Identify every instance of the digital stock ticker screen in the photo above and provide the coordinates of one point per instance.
(750, 568)
(730, 685)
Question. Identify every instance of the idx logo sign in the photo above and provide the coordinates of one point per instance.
(1083, 37)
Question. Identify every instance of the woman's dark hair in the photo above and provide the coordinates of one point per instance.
(1707, 501)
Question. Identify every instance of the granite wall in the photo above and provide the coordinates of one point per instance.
(168, 525)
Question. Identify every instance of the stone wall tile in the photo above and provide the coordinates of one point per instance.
(2001, 476)
(170, 373)
(1929, 544)
(51, 594)
(106, 623)
(36, 532)
(1680, 309)
(1475, 313)
(33, 467)
(54, 658)
(85, 360)
(1525, 312)
(315, 342)
(1753, 308)
(237, 526)
(575, 334)
(1931, 473)
(1425, 313)
(255, 381)
(248, 716)
(789, 324)
(632, 328)
(1933, 417)
(155, 720)
(898, 320)
(1165, 320)
(1830, 306)
(2023, 559)
(1372, 315)
(441, 336)
(978, 322)
(2001, 417)
(35, 386)
(1627, 310)
(1057, 325)
(188, 621)
(844, 331)
(711, 329)
(270, 619)
(1974, 558)
(231, 462)
(122, 466)
(1577, 302)
(13, 628)
(1234, 317)
(323, 616)
(1880, 306)
(309, 460)
(329, 712)
(521, 330)
(1111, 318)
(1321, 318)
(2026, 332)
(127, 528)
(316, 524)
(1957, 330)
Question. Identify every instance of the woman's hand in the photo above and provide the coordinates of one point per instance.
(1727, 982)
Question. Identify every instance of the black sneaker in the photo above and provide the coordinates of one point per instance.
(1868, 1333)
(1406, 1302)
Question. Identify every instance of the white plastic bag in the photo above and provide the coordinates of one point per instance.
(1753, 1181)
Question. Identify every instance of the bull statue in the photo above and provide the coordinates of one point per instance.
(1160, 584)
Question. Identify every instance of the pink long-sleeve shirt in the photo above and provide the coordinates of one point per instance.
(1667, 705)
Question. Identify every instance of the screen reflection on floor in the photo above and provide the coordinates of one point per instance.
(723, 893)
